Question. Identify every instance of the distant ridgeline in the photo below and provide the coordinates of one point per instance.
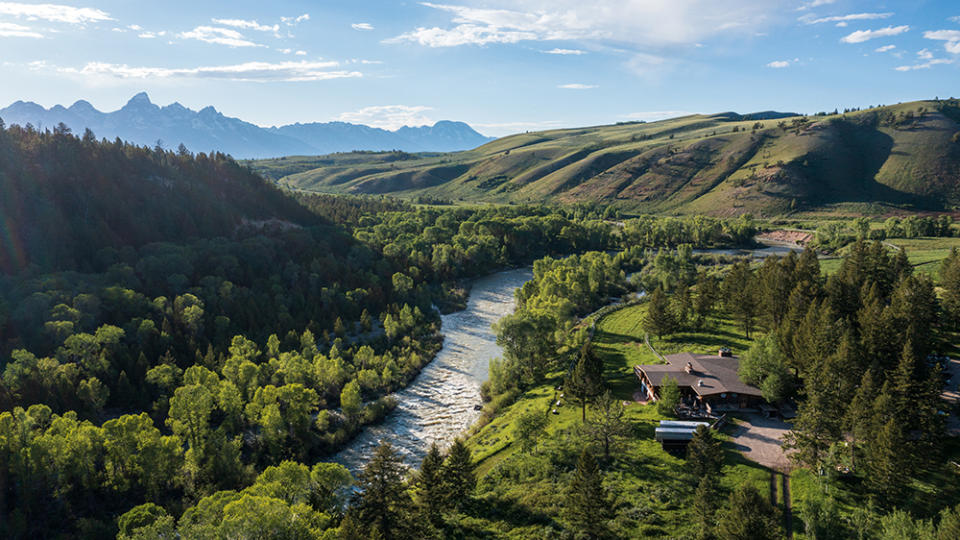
(766, 163)
(142, 122)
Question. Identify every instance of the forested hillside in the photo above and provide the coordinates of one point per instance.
(905, 155)
(73, 203)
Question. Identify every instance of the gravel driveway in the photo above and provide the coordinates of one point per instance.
(760, 439)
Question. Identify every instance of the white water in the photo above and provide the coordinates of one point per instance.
(439, 404)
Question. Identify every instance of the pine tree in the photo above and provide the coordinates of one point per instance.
(950, 282)
(740, 295)
(430, 483)
(660, 319)
(949, 527)
(706, 501)
(459, 479)
(704, 454)
(585, 380)
(748, 516)
(706, 299)
(606, 425)
(587, 507)
(888, 468)
(683, 305)
(859, 413)
(382, 505)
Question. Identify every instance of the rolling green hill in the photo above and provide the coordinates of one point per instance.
(722, 164)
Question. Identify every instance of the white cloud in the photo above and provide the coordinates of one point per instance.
(885, 48)
(864, 35)
(18, 30)
(924, 54)
(54, 13)
(249, 72)
(952, 38)
(577, 86)
(576, 52)
(220, 36)
(151, 35)
(301, 53)
(810, 19)
(926, 65)
(779, 64)
(362, 26)
(389, 116)
(135, 27)
(954, 19)
(646, 23)
(815, 3)
(247, 25)
(290, 21)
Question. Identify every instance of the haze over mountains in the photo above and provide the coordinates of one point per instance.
(142, 122)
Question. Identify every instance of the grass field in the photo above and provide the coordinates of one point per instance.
(925, 254)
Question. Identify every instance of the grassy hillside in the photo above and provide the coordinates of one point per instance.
(903, 155)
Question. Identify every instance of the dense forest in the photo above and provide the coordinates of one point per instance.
(179, 336)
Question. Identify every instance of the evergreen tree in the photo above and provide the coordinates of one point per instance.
(459, 480)
(949, 527)
(858, 418)
(429, 482)
(704, 453)
(707, 293)
(585, 380)
(587, 507)
(748, 516)
(888, 463)
(706, 501)
(660, 319)
(606, 425)
(950, 283)
(683, 305)
(740, 295)
(382, 505)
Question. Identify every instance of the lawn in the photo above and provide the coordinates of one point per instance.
(619, 340)
(925, 254)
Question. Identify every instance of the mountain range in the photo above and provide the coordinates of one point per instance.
(142, 122)
(905, 155)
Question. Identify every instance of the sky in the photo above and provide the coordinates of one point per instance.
(501, 66)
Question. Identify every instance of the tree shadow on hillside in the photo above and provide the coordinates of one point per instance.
(509, 511)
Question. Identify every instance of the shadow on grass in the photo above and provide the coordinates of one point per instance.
(508, 511)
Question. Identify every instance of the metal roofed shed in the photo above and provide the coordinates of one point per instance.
(674, 435)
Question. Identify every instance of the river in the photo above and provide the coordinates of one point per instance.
(439, 404)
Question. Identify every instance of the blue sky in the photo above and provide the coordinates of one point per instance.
(502, 66)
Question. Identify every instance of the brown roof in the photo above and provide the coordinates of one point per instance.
(718, 373)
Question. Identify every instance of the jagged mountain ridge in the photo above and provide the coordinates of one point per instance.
(142, 122)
